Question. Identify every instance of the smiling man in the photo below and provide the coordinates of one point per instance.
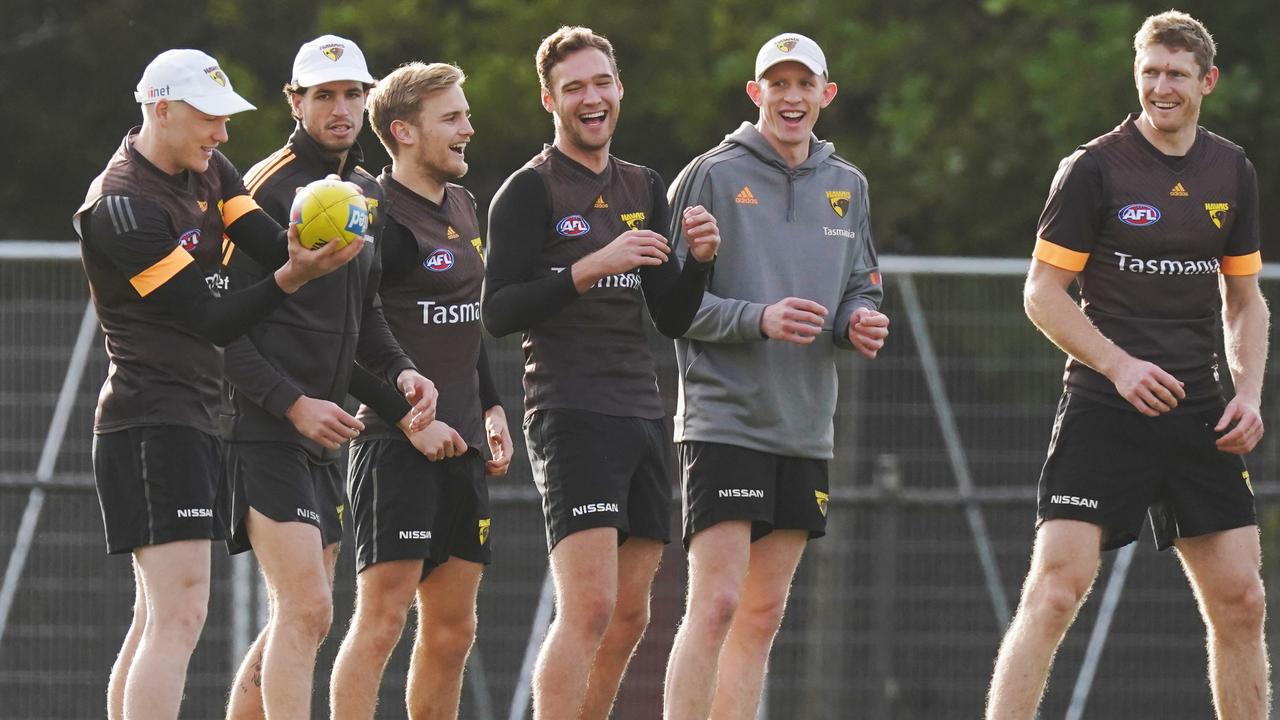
(576, 256)
(421, 514)
(758, 374)
(289, 377)
(151, 232)
(1157, 222)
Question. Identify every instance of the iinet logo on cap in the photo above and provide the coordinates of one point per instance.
(192, 77)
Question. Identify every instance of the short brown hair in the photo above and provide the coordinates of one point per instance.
(399, 95)
(1178, 31)
(292, 88)
(566, 41)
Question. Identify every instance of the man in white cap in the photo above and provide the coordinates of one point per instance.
(151, 231)
(288, 378)
(754, 419)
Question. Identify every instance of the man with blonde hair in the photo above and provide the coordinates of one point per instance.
(576, 257)
(758, 381)
(1157, 221)
(422, 513)
(151, 236)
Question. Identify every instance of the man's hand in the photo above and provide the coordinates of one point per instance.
(867, 331)
(793, 320)
(422, 393)
(438, 441)
(1246, 418)
(500, 447)
(701, 232)
(323, 422)
(627, 252)
(306, 265)
(1148, 388)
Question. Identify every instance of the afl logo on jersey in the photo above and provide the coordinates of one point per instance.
(573, 226)
(1138, 215)
(189, 240)
(438, 261)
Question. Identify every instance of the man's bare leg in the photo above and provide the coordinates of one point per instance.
(120, 669)
(718, 559)
(384, 592)
(1224, 571)
(584, 567)
(176, 580)
(446, 632)
(744, 657)
(638, 560)
(1063, 566)
(297, 573)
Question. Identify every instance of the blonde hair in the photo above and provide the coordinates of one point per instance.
(1178, 31)
(399, 95)
(564, 42)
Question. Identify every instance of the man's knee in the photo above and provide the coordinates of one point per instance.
(717, 610)
(450, 641)
(761, 618)
(312, 614)
(1054, 595)
(382, 623)
(181, 622)
(1237, 608)
(589, 612)
(630, 619)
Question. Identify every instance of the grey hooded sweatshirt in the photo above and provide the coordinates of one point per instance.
(785, 232)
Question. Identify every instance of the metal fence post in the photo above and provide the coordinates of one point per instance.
(884, 581)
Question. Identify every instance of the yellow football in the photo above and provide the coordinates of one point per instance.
(327, 211)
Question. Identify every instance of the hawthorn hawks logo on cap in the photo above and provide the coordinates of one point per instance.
(215, 73)
(788, 44)
(333, 52)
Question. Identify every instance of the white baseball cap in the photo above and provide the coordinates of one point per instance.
(329, 58)
(791, 47)
(192, 77)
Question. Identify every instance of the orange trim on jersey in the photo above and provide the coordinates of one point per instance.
(1250, 264)
(153, 277)
(228, 247)
(1058, 256)
(236, 208)
(267, 168)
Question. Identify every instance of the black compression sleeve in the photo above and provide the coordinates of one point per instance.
(372, 391)
(673, 293)
(488, 391)
(218, 319)
(261, 237)
(399, 250)
(517, 293)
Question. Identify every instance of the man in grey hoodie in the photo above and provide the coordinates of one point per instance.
(795, 280)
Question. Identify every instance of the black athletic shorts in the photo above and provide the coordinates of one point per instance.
(596, 470)
(775, 492)
(157, 484)
(405, 506)
(281, 481)
(1109, 466)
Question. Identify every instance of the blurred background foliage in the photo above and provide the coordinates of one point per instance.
(958, 111)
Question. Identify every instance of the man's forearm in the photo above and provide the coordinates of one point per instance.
(1246, 325)
(1056, 314)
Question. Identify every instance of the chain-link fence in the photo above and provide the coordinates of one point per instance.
(895, 614)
